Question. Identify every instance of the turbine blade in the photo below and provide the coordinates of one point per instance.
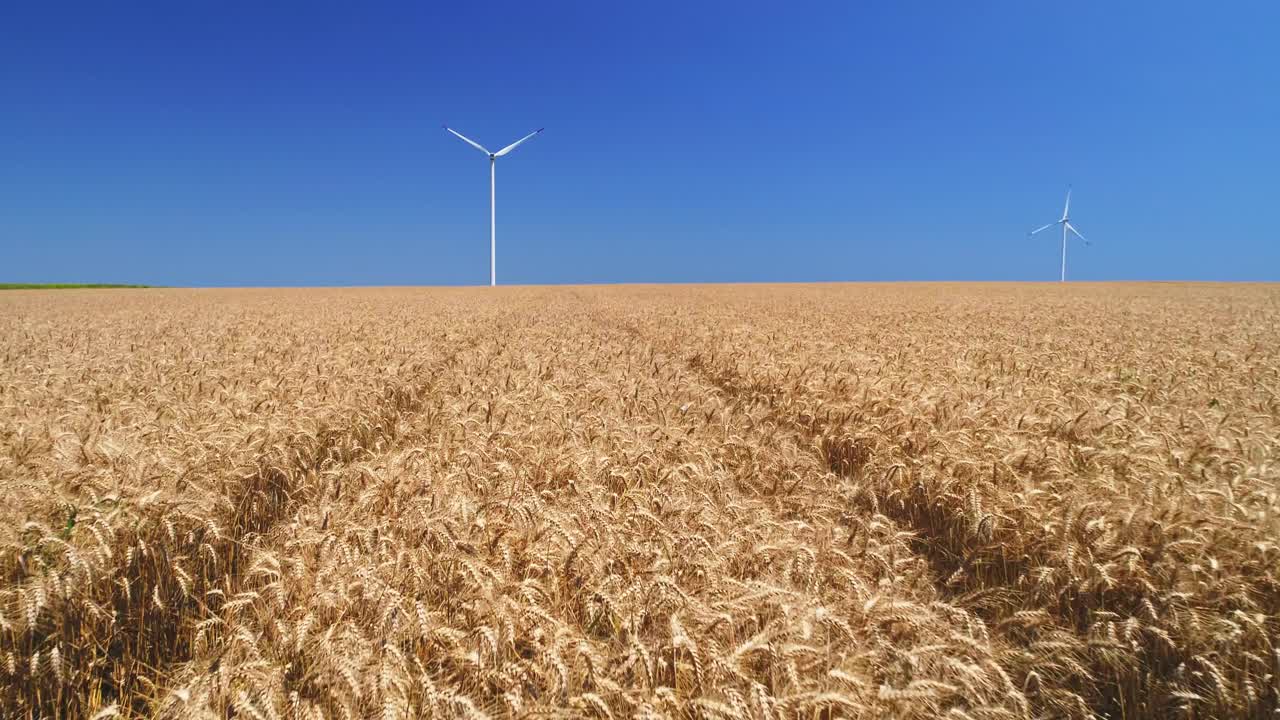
(1067, 208)
(467, 140)
(516, 144)
(1046, 227)
(1073, 229)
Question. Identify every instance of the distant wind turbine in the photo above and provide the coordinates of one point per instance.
(1065, 222)
(493, 213)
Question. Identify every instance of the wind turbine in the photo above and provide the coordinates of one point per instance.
(493, 213)
(1065, 222)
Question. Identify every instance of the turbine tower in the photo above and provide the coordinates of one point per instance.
(1065, 222)
(493, 213)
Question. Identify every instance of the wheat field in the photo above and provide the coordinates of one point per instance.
(923, 501)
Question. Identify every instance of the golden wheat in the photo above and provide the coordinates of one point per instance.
(754, 502)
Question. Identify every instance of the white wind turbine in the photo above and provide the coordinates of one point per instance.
(493, 214)
(1065, 222)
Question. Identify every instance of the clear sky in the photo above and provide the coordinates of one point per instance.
(273, 143)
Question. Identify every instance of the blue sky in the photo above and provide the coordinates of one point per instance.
(228, 143)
